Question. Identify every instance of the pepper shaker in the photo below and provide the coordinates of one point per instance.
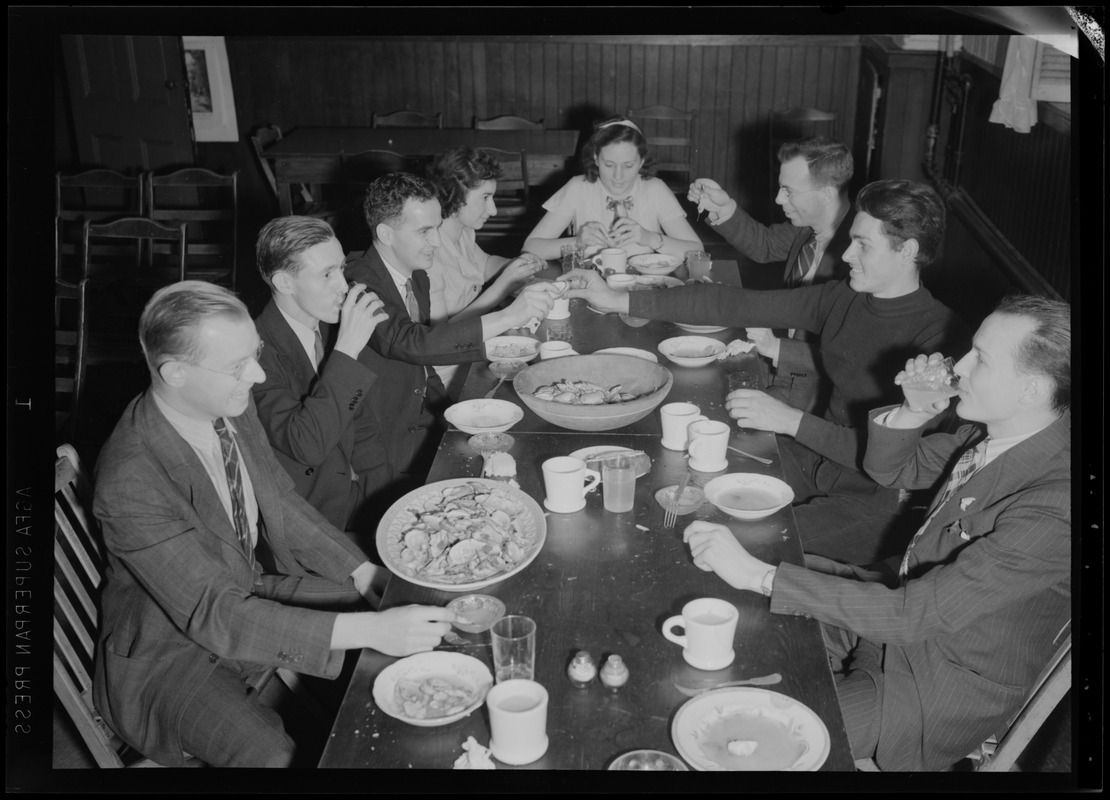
(614, 674)
(581, 670)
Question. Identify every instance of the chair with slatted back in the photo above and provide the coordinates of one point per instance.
(359, 170)
(209, 203)
(512, 196)
(670, 136)
(507, 122)
(790, 124)
(96, 195)
(305, 204)
(69, 355)
(407, 119)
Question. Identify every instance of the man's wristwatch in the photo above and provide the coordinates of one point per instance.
(768, 582)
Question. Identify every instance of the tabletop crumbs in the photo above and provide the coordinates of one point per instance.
(643, 527)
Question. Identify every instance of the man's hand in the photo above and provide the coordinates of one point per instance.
(715, 549)
(588, 284)
(755, 409)
(907, 416)
(409, 629)
(709, 196)
(594, 233)
(766, 343)
(370, 580)
(362, 312)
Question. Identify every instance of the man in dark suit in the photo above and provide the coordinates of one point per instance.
(932, 660)
(813, 192)
(403, 214)
(314, 402)
(217, 569)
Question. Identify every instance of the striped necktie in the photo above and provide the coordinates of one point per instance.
(411, 304)
(318, 348)
(970, 462)
(233, 468)
(803, 263)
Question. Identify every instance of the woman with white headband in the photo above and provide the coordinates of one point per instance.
(616, 203)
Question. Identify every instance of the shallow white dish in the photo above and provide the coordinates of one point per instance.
(701, 328)
(655, 263)
(678, 348)
(655, 282)
(512, 348)
(628, 351)
(476, 612)
(586, 453)
(700, 736)
(393, 522)
(484, 415)
(456, 667)
(621, 281)
(748, 495)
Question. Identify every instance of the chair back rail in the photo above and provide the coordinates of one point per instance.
(512, 197)
(97, 195)
(407, 119)
(209, 203)
(669, 133)
(507, 122)
(70, 352)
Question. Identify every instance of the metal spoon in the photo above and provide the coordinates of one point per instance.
(764, 680)
(760, 459)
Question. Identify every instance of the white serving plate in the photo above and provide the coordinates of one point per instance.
(628, 351)
(484, 415)
(388, 536)
(459, 668)
(672, 348)
(701, 328)
(738, 494)
(692, 730)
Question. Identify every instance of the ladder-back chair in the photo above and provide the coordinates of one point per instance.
(670, 136)
(96, 195)
(512, 197)
(70, 349)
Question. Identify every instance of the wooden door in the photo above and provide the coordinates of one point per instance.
(129, 100)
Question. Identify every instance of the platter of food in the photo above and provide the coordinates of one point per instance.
(432, 689)
(461, 534)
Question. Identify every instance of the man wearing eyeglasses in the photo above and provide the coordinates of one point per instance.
(813, 192)
(217, 569)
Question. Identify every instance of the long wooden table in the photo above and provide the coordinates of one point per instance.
(312, 155)
(604, 583)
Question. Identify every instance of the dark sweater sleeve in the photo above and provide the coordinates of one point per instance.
(715, 304)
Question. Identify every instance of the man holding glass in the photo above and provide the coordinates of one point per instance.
(932, 661)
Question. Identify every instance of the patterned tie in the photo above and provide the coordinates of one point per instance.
(411, 304)
(235, 485)
(803, 263)
(318, 349)
(970, 462)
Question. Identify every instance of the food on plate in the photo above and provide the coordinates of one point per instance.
(499, 467)
(654, 262)
(584, 393)
(463, 533)
(513, 349)
(695, 352)
(475, 756)
(433, 696)
(738, 346)
(751, 739)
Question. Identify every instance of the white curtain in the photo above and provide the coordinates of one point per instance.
(1014, 108)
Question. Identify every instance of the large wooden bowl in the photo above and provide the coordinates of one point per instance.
(650, 383)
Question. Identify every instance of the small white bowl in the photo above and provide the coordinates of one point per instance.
(654, 263)
(621, 281)
(484, 415)
(748, 495)
(691, 351)
(512, 348)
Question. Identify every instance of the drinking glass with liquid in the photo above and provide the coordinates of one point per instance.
(618, 484)
(936, 382)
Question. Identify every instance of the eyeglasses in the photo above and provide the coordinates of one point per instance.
(237, 372)
(794, 193)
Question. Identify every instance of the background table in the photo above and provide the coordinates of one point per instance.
(604, 583)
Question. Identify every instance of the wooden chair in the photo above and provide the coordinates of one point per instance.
(69, 355)
(794, 123)
(305, 204)
(208, 203)
(407, 119)
(670, 134)
(507, 122)
(96, 195)
(512, 197)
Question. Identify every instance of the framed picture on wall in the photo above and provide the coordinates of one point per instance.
(210, 95)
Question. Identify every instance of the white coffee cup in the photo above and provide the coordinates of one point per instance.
(614, 258)
(560, 309)
(708, 445)
(555, 349)
(517, 721)
(710, 626)
(676, 419)
(567, 481)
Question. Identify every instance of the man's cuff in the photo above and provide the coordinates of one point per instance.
(725, 213)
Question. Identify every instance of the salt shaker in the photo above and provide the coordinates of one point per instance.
(614, 674)
(581, 670)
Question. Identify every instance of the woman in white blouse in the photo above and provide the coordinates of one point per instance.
(616, 203)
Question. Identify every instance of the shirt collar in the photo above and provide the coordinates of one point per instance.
(194, 431)
(305, 335)
(398, 278)
(825, 235)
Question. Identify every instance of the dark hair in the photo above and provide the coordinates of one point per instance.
(610, 131)
(386, 196)
(908, 210)
(1046, 350)
(456, 172)
(169, 322)
(281, 240)
(830, 162)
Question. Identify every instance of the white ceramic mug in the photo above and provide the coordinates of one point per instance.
(560, 309)
(676, 419)
(611, 258)
(567, 481)
(517, 721)
(555, 349)
(708, 445)
(710, 626)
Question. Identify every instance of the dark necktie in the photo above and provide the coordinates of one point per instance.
(411, 304)
(235, 485)
(970, 462)
(318, 349)
(803, 263)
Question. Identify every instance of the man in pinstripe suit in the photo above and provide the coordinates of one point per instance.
(932, 662)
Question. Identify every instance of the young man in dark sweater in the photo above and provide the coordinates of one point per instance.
(867, 327)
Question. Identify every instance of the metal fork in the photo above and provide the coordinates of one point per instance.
(671, 517)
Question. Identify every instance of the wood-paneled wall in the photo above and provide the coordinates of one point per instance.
(732, 82)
